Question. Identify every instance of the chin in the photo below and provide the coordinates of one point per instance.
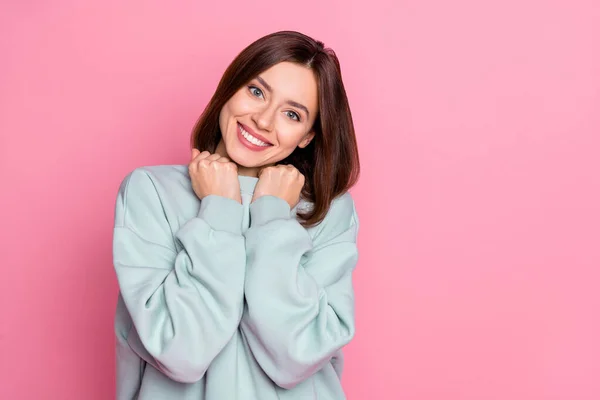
(241, 159)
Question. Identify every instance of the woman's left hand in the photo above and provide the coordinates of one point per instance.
(283, 181)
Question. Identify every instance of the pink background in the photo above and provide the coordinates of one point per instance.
(478, 126)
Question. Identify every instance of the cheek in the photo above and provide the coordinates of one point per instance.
(235, 107)
(223, 117)
(290, 137)
(229, 111)
(240, 104)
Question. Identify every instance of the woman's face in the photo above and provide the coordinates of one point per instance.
(267, 119)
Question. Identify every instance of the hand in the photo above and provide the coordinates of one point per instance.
(283, 181)
(212, 174)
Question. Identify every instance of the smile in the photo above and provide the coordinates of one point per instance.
(251, 141)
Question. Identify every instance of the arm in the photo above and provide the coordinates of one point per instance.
(300, 299)
(186, 304)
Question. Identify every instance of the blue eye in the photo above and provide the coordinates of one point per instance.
(256, 92)
(293, 115)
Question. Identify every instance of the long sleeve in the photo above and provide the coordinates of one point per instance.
(183, 289)
(299, 296)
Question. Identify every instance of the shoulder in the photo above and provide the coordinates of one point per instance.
(343, 209)
(340, 218)
(147, 178)
(144, 190)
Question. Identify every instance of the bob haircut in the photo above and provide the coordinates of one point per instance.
(330, 163)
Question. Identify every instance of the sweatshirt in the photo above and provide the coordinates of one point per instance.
(226, 301)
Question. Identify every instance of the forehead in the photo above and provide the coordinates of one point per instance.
(294, 82)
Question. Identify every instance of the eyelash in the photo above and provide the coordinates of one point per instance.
(295, 116)
(252, 88)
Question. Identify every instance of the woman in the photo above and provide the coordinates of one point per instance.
(235, 271)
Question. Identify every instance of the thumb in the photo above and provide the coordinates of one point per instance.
(195, 153)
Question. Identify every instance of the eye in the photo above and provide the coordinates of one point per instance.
(293, 115)
(256, 92)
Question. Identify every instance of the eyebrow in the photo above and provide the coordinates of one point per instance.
(290, 102)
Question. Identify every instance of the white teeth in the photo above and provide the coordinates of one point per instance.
(252, 139)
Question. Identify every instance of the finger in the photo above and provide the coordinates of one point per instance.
(203, 163)
(193, 165)
(213, 157)
(223, 160)
(203, 155)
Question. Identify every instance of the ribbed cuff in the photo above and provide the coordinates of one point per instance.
(268, 208)
(222, 213)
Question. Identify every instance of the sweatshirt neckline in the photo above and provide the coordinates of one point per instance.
(247, 183)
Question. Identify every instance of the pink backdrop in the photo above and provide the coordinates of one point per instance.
(478, 125)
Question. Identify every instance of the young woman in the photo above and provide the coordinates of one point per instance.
(235, 271)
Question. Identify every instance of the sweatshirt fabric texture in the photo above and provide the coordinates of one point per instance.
(226, 301)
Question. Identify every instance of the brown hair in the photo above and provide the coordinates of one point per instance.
(330, 163)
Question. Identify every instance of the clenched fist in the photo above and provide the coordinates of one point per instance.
(283, 181)
(212, 174)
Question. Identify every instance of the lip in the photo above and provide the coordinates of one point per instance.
(246, 143)
(256, 135)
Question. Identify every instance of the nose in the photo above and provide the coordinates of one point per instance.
(264, 118)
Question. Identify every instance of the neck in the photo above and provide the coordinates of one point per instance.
(244, 171)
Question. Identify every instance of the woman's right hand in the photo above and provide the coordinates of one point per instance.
(212, 174)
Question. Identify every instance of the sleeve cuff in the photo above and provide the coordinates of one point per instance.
(222, 213)
(268, 208)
